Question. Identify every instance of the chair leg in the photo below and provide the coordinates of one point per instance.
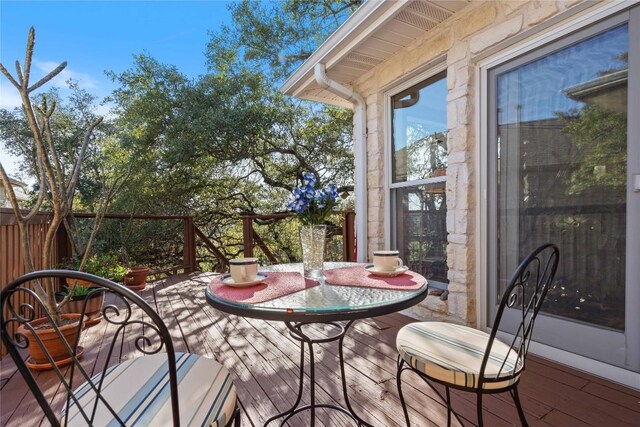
(237, 419)
(516, 400)
(399, 384)
(448, 407)
(479, 408)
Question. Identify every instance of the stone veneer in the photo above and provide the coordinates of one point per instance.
(462, 37)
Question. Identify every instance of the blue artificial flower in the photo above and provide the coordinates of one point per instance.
(313, 205)
(299, 208)
(309, 192)
(332, 192)
(321, 198)
(309, 179)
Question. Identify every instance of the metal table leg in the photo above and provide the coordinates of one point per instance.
(295, 330)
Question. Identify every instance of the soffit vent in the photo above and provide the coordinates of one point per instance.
(415, 20)
(422, 15)
(429, 11)
(356, 65)
(358, 57)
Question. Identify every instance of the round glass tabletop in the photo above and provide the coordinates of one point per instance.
(324, 302)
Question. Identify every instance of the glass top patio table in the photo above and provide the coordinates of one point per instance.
(323, 302)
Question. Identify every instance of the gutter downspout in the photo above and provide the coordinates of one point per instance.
(359, 152)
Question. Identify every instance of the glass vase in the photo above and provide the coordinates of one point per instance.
(312, 240)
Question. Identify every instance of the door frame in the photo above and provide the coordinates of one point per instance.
(548, 35)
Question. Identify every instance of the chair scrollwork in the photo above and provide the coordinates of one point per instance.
(122, 310)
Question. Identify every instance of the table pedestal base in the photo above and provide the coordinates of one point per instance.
(297, 333)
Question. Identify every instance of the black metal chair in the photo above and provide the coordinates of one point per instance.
(467, 359)
(158, 388)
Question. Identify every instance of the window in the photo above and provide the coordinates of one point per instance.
(418, 177)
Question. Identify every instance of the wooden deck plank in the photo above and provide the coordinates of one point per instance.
(589, 377)
(560, 419)
(263, 360)
(614, 396)
(583, 406)
(564, 377)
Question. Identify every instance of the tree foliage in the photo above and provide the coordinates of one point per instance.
(276, 36)
(216, 146)
(227, 142)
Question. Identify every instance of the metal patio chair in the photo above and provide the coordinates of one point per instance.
(158, 388)
(470, 360)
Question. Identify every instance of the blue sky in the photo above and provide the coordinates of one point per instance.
(94, 36)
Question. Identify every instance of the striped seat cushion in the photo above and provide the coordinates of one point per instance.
(138, 390)
(453, 354)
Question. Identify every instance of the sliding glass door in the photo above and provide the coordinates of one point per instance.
(564, 146)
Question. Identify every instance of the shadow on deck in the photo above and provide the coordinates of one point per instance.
(263, 361)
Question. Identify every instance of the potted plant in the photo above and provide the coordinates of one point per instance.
(136, 277)
(79, 297)
(106, 266)
(77, 291)
(68, 327)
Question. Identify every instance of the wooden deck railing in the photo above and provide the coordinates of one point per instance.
(11, 255)
(12, 263)
(11, 258)
(251, 238)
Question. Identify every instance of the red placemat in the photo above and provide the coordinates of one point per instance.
(358, 276)
(276, 285)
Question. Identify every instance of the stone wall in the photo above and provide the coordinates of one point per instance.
(458, 40)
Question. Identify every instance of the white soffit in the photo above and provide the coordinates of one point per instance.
(375, 32)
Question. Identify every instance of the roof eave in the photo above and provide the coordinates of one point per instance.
(370, 16)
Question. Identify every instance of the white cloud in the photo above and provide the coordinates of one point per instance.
(9, 97)
(85, 81)
(104, 110)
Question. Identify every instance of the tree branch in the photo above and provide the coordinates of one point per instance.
(19, 72)
(41, 194)
(75, 175)
(46, 113)
(31, 41)
(48, 77)
(9, 77)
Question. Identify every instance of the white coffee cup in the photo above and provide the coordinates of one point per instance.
(243, 269)
(386, 260)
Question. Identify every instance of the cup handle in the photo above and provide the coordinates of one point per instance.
(399, 262)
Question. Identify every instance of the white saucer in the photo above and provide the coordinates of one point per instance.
(386, 273)
(228, 280)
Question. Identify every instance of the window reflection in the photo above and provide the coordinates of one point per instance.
(421, 213)
(420, 131)
(562, 136)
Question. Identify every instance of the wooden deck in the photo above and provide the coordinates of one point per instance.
(263, 361)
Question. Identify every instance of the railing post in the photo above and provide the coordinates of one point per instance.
(189, 249)
(247, 235)
(349, 236)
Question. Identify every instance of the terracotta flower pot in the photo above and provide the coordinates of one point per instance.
(79, 282)
(136, 277)
(50, 339)
(93, 312)
(439, 172)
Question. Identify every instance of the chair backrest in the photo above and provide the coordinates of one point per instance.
(122, 309)
(525, 293)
